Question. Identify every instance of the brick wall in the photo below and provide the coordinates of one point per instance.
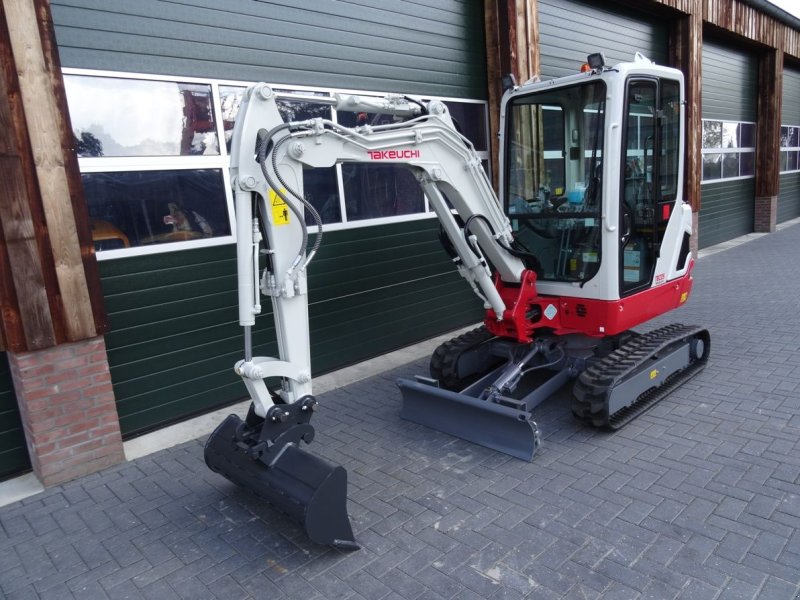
(68, 410)
(766, 215)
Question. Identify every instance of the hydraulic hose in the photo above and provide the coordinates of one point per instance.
(262, 147)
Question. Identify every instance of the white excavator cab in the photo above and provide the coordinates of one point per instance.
(592, 180)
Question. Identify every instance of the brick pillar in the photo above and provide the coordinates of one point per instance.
(766, 214)
(68, 409)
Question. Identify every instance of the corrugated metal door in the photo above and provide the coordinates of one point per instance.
(174, 336)
(729, 96)
(569, 31)
(789, 196)
(13, 451)
(399, 46)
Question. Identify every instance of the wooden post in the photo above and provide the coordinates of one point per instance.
(768, 129)
(27, 324)
(68, 265)
(686, 53)
(50, 290)
(686, 41)
(512, 46)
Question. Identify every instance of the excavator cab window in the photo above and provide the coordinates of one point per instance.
(649, 184)
(553, 178)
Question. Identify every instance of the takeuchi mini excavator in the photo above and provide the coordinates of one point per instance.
(588, 240)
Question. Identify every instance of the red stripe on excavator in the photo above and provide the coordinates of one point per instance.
(528, 311)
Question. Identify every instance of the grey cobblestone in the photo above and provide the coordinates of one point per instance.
(697, 499)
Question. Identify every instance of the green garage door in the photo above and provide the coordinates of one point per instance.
(570, 30)
(400, 46)
(174, 336)
(729, 116)
(13, 452)
(789, 196)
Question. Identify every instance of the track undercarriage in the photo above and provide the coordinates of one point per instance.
(615, 380)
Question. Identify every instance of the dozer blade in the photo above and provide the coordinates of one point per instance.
(306, 488)
(502, 428)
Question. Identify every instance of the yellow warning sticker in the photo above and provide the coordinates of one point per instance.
(653, 373)
(280, 210)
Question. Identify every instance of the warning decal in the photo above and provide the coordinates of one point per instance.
(280, 210)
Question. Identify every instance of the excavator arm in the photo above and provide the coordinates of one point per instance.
(267, 165)
(267, 161)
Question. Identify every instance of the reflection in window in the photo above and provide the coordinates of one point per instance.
(230, 98)
(151, 200)
(471, 119)
(728, 150)
(141, 208)
(712, 166)
(790, 149)
(377, 191)
(136, 117)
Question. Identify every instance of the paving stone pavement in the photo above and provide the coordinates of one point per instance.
(698, 498)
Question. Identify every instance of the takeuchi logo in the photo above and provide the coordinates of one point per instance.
(392, 154)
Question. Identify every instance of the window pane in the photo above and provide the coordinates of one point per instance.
(747, 163)
(354, 119)
(230, 98)
(730, 165)
(785, 137)
(321, 189)
(374, 191)
(793, 158)
(747, 135)
(553, 129)
(784, 160)
(730, 135)
(471, 118)
(794, 133)
(140, 208)
(670, 139)
(133, 117)
(712, 134)
(712, 166)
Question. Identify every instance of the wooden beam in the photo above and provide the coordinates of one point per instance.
(686, 41)
(27, 324)
(43, 120)
(494, 66)
(512, 46)
(80, 209)
(768, 122)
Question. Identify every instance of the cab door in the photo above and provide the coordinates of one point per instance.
(649, 172)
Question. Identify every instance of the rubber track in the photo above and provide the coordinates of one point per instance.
(444, 361)
(593, 387)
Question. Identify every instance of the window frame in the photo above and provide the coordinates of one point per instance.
(222, 160)
(790, 149)
(738, 150)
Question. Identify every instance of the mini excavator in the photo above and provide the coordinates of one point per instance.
(589, 239)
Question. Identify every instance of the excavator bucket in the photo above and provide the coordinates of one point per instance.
(306, 488)
(497, 426)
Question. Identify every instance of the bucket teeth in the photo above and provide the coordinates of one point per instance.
(308, 489)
